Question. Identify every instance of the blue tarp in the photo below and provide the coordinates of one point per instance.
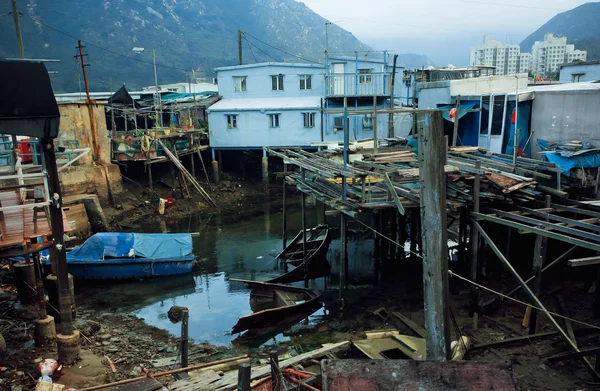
(461, 113)
(585, 160)
(125, 245)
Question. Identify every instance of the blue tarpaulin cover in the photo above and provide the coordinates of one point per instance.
(125, 245)
(461, 113)
(585, 160)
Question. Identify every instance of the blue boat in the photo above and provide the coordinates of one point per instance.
(120, 255)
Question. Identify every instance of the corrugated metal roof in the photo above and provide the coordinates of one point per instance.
(582, 86)
(252, 104)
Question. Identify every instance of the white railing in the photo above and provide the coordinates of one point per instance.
(352, 84)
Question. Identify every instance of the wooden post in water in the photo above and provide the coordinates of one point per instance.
(413, 232)
(285, 168)
(432, 155)
(474, 267)
(244, 377)
(539, 256)
(343, 254)
(275, 373)
(185, 315)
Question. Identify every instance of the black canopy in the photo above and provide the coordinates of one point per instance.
(122, 97)
(27, 103)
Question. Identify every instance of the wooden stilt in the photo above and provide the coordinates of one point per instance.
(474, 267)
(432, 157)
(539, 255)
(401, 235)
(343, 255)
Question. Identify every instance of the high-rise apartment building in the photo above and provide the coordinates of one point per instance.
(507, 58)
(548, 55)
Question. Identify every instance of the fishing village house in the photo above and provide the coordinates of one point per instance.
(289, 104)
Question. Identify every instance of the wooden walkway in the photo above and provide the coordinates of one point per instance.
(19, 225)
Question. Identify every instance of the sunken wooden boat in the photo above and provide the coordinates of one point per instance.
(315, 265)
(273, 303)
(317, 244)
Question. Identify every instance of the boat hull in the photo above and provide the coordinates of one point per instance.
(126, 268)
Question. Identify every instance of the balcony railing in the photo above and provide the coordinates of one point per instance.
(352, 84)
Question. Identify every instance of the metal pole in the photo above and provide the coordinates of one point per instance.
(15, 12)
(157, 109)
(391, 115)
(89, 104)
(455, 132)
(285, 167)
(516, 138)
(184, 337)
(346, 142)
(240, 46)
(303, 206)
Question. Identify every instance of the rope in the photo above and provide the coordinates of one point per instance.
(389, 239)
(452, 274)
(145, 143)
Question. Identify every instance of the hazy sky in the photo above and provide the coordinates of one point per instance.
(443, 30)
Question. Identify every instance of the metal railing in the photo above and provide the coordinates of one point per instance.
(6, 151)
(361, 84)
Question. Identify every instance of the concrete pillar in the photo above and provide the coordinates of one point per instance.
(52, 288)
(68, 348)
(215, 166)
(45, 331)
(265, 170)
(25, 282)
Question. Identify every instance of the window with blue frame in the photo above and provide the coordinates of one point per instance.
(274, 120)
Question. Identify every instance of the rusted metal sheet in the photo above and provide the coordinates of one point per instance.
(408, 375)
(501, 180)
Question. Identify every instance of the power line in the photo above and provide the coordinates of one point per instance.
(281, 50)
(251, 51)
(267, 54)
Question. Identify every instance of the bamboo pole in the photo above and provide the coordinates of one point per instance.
(191, 367)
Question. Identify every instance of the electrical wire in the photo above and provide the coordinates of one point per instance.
(251, 51)
(281, 50)
(267, 54)
(452, 274)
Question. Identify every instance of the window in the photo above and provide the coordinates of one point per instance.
(305, 82)
(362, 78)
(577, 77)
(277, 82)
(368, 121)
(338, 123)
(239, 83)
(274, 120)
(231, 120)
(309, 120)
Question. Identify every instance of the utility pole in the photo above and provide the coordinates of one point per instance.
(15, 12)
(432, 157)
(96, 146)
(240, 46)
(327, 39)
(391, 115)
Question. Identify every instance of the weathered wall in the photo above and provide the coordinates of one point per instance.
(75, 125)
(88, 177)
(563, 116)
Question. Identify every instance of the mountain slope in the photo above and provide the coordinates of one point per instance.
(580, 26)
(198, 34)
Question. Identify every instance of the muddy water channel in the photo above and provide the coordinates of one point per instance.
(239, 242)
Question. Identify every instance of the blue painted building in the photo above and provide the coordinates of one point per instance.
(577, 72)
(286, 104)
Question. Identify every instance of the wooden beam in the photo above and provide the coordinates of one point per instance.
(534, 298)
(584, 261)
(392, 190)
(432, 157)
(527, 228)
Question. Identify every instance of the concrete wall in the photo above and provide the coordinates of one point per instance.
(253, 129)
(87, 177)
(563, 116)
(488, 85)
(258, 80)
(591, 72)
(75, 125)
(432, 96)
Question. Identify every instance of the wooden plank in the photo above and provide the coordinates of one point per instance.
(527, 228)
(533, 297)
(392, 190)
(229, 381)
(574, 355)
(584, 261)
(200, 382)
(432, 158)
(420, 331)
